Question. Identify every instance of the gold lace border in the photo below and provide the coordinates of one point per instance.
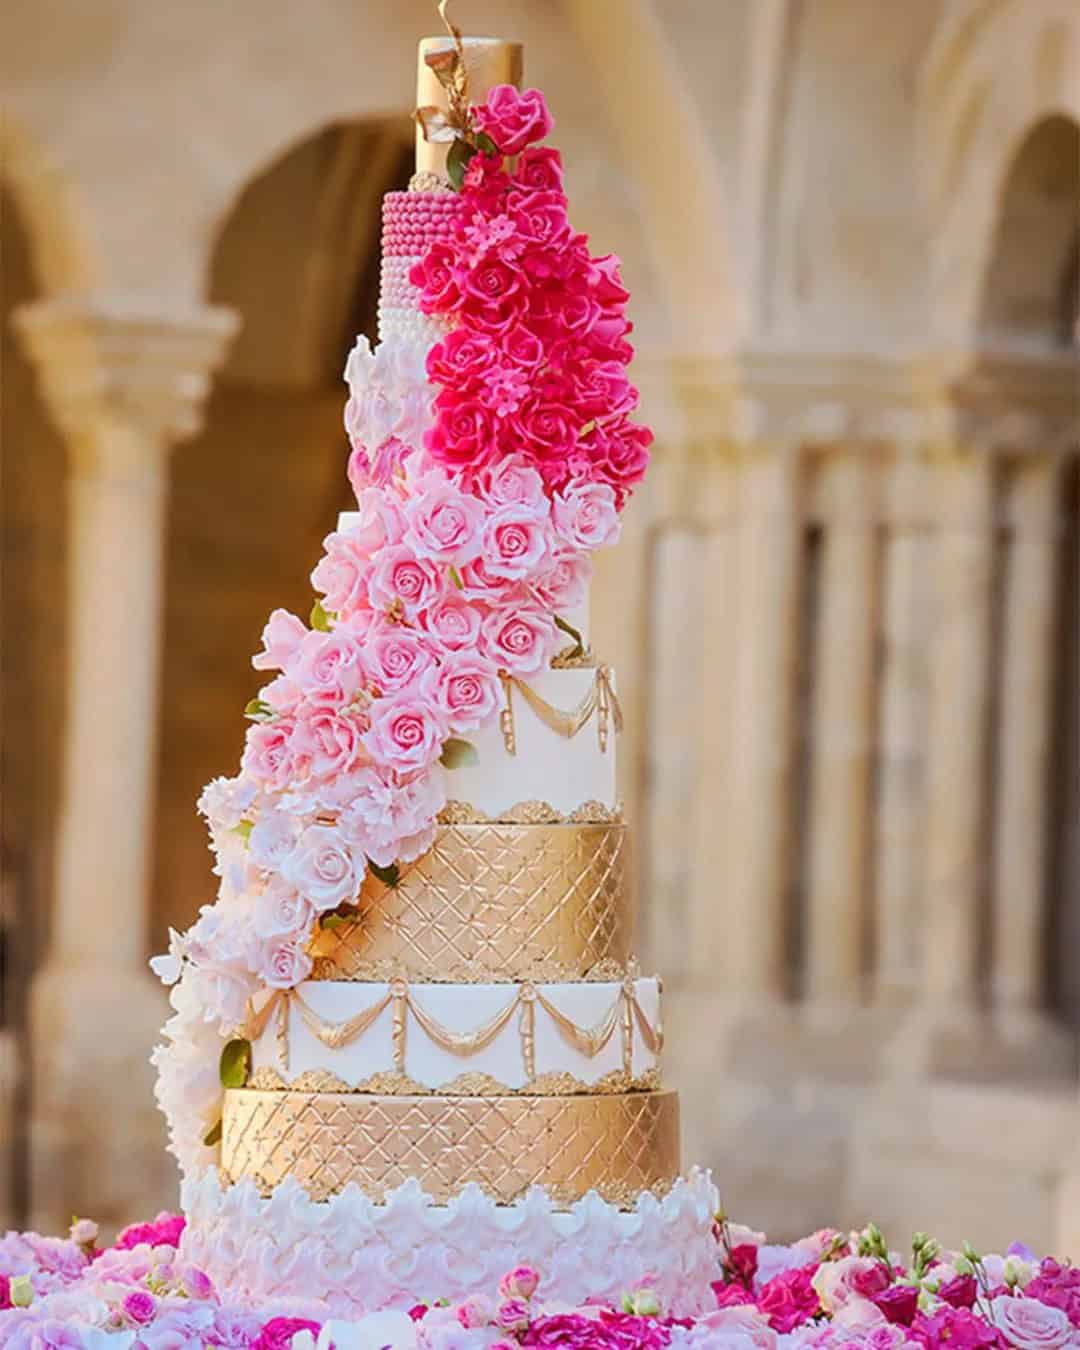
(392, 1084)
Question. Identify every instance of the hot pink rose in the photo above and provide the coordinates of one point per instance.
(435, 279)
(405, 733)
(523, 347)
(586, 516)
(959, 1292)
(267, 752)
(444, 522)
(540, 168)
(139, 1307)
(514, 119)
(539, 217)
(519, 640)
(464, 433)
(325, 743)
(515, 541)
(789, 1300)
(452, 622)
(492, 282)
(461, 357)
(899, 1303)
(619, 454)
(164, 1231)
(549, 430)
(278, 1333)
(282, 635)
(395, 657)
(464, 690)
(601, 389)
(1058, 1286)
(328, 667)
(955, 1329)
(400, 576)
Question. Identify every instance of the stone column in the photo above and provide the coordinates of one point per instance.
(843, 714)
(1023, 788)
(768, 552)
(898, 875)
(123, 385)
(959, 696)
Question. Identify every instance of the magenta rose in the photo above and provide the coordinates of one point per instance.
(605, 1331)
(959, 1292)
(619, 454)
(954, 1329)
(515, 541)
(163, 1231)
(461, 358)
(463, 689)
(540, 168)
(278, 1333)
(540, 218)
(548, 430)
(492, 282)
(899, 1303)
(139, 1307)
(606, 282)
(519, 640)
(601, 389)
(789, 1299)
(463, 436)
(435, 279)
(1059, 1287)
(395, 657)
(741, 1263)
(731, 1294)
(452, 622)
(400, 576)
(405, 733)
(514, 119)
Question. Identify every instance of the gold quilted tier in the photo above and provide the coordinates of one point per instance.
(491, 902)
(616, 1145)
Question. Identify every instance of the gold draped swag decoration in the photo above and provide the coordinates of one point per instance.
(600, 699)
(625, 1015)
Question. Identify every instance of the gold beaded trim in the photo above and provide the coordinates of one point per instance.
(426, 181)
(393, 1084)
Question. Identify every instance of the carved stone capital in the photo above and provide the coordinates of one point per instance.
(124, 379)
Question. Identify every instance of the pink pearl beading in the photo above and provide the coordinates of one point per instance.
(412, 221)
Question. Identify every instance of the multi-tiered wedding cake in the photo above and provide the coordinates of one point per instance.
(410, 1045)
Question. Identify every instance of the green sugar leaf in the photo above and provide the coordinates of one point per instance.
(458, 754)
(235, 1064)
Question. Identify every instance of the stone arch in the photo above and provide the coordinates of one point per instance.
(996, 71)
(252, 497)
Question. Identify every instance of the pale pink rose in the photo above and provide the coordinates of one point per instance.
(328, 667)
(393, 820)
(282, 962)
(520, 641)
(405, 733)
(341, 574)
(452, 622)
(272, 838)
(400, 577)
(396, 657)
(267, 754)
(1028, 1324)
(282, 695)
(745, 1321)
(282, 635)
(563, 585)
(512, 482)
(281, 911)
(464, 690)
(326, 744)
(323, 867)
(444, 522)
(515, 541)
(586, 516)
(84, 1232)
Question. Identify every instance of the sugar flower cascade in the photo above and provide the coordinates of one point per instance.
(493, 450)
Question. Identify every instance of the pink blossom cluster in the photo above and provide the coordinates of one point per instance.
(535, 364)
(829, 1290)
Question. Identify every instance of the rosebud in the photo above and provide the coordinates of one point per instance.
(520, 1282)
(21, 1291)
(513, 1314)
(474, 1312)
(84, 1232)
(641, 1303)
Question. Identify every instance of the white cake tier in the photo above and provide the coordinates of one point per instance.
(359, 1256)
(513, 1034)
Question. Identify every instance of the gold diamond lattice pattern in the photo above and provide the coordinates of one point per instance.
(505, 901)
(617, 1145)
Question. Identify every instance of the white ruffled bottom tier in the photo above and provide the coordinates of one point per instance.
(357, 1256)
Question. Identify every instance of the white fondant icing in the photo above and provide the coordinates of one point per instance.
(461, 1009)
(362, 1257)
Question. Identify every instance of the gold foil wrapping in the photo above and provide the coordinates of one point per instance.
(491, 902)
(616, 1145)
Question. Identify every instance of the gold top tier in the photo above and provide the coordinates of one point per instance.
(489, 61)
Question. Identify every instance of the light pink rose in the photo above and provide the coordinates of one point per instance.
(323, 867)
(328, 667)
(282, 635)
(512, 482)
(515, 541)
(520, 641)
(405, 733)
(341, 574)
(326, 744)
(563, 585)
(267, 754)
(464, 690)
(399, 576)
(282, 962)
(586, 516)
(396, 657)
(272, 838)
(444, 522)
(1028, 1324)
(742, 1321)
(283, 695)
(281, 911)
(452, 622)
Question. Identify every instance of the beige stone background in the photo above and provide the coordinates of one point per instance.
(845, 611)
